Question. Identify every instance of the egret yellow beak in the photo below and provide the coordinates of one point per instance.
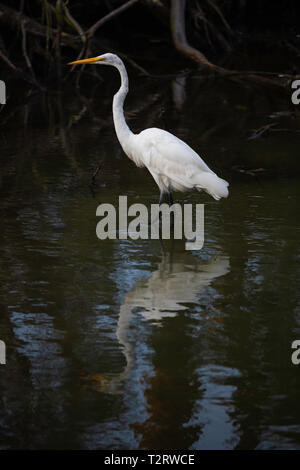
(91, 60)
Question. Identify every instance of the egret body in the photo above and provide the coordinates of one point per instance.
(172, 163)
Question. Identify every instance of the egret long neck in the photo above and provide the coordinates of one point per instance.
(122, 130)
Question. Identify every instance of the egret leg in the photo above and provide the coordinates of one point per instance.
(161, 197)
(170, 195)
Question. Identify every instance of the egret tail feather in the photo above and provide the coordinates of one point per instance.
(213, 185)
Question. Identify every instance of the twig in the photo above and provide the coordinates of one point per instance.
(179, 35)
(95, 174)
(74, 23)
(13, 17)
(24, 49)
(80, 31)
(6, 59)
(223, 19)
(91, 31)
(59, 20)
(134, 64)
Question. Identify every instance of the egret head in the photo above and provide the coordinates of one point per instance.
(105, 59)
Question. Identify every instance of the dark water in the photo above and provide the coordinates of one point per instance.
(138, 344)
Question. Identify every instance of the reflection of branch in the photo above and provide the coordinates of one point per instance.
(91, 31)
(206, 135)
(178, 89)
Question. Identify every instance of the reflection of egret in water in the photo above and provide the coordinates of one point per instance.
(168, 291)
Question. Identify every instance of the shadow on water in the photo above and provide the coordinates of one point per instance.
(118, 343)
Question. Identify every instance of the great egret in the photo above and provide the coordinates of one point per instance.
(171, 162)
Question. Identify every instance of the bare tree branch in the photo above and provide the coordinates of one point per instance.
(179, 36)
(13, 17)
(91, 31)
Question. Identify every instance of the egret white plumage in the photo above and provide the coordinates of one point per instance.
(172, 163)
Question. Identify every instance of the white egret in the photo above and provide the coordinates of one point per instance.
(171, 162)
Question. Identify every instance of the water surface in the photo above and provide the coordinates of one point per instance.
(142, 344)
